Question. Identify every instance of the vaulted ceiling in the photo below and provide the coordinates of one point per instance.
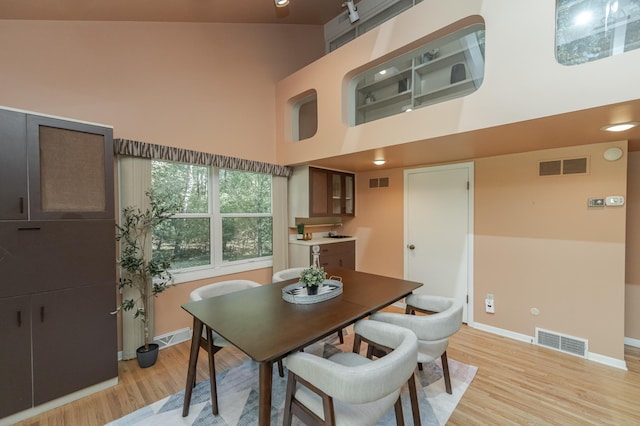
(309, 12)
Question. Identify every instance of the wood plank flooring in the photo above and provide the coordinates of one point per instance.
(516, 383)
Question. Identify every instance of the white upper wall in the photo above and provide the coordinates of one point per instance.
(522, 81)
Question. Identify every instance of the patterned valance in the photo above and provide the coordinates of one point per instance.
(160, 152)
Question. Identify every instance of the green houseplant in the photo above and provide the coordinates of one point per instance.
(312, 277)
(147, 276)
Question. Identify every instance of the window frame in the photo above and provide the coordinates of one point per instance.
(218, 267)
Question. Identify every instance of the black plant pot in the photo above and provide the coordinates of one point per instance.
(312, 289)
(147, 358)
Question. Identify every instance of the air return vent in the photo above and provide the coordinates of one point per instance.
(570, 166)
(562, 342)
(574, 166)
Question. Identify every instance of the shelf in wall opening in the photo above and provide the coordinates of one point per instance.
(317, 225)
(451, 91)
(393, 78)
(441, 62)
(404, 96)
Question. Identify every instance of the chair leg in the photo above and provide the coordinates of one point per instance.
(212, 372)
(413, 395)
(445, 370)
(356, 344)
(340, 336)
(398, 410)
(288, 400)
(420, 366)
(280, 368)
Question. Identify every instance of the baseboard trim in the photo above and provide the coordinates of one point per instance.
(23, 415)
(591, 356)
(632, 342)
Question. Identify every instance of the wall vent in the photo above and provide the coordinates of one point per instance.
(562, 342)
(570, 166)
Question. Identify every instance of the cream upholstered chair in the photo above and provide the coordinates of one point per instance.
(433, 330)
(348, 389)
(288, 274)
(219, 342)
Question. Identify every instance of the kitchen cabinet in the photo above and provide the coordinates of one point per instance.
(332, 254)
(316, 192)
(57, 259)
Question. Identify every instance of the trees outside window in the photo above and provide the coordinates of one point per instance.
(225, 216)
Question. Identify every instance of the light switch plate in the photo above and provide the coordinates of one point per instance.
(596, 202)
(614, 200)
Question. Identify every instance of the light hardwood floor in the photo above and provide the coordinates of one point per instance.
(516, 383)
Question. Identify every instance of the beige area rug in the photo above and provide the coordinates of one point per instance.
(238, 395)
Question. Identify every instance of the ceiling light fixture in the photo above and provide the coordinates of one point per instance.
(353, 11)
(281, 3)
(620, 127)
(379, 162)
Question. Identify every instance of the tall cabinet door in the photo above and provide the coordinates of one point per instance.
(13, 166)
(15, 355)
(74, 340)
(70, 169)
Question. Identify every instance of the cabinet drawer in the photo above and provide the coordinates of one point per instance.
(40, 256)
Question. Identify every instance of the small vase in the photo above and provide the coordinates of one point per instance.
(312, 290)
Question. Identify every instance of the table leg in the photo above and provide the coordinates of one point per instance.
(193, 361)
(264, 407)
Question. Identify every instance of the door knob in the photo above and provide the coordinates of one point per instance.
(410, 246)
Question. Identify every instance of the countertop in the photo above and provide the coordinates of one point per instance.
(320, 240)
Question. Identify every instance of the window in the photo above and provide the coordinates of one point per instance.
(588, 30)
(224, 218)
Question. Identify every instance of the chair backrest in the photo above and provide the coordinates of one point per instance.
(368, 381)
(286, 274)
(446, 320)
(220, 288)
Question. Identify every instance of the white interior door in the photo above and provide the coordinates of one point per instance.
(439, 231)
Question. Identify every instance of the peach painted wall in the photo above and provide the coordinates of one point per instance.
(632, 292)
(379, 224)
(523, 80)
(208, 87)
(536, 243)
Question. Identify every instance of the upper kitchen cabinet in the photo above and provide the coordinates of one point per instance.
(315, 192)
(54, 168)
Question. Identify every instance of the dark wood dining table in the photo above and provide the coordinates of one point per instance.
(264, 326)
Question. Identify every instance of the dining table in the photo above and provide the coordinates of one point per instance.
(266, 327)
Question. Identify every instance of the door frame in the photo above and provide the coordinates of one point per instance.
(469, 166)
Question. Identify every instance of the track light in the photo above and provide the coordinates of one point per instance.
(353, 11)
(281, 3)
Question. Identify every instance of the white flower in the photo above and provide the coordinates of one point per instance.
(313, 276)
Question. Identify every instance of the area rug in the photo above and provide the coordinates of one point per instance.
(238, 396)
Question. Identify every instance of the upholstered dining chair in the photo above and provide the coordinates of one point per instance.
(287, 274)
(349, 389)
(433, 330)
(218, 342)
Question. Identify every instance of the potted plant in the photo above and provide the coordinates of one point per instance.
(146, 275)
(312, 277)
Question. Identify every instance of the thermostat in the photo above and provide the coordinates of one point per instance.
(614, 200)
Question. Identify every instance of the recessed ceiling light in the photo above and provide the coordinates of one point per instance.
(620, 127)
(379, 162)
(281, 3)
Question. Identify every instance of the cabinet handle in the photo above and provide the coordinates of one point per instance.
(325, 264)
(19, 318)
(340, 262)
(41, 313)
(21, 204)
(29, 228)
